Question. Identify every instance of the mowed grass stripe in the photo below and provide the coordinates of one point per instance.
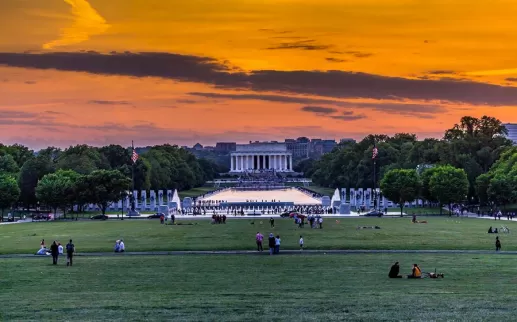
(278, 288)
(440, 233)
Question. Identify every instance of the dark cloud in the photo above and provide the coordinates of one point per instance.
(419, 110)
(308, 44)
(441, 72)
(319, 109)
(348, 116)
(186, 101)
(358, 54)
(16, 115)
(108, 102)
(335, 60)
(264, 97)
(30, 82)
(511, 79)
(332, 83)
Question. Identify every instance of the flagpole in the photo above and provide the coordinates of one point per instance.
(132, 176)
(374, 156)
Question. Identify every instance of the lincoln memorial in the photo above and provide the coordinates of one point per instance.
(261, 156)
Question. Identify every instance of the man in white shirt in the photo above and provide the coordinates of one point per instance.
(301, 243)
(122, 247)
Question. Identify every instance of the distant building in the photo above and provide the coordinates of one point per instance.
(512, 132)
(299, 148)
(320, 147)
(197, 146)
(346, 140)
(259, 156)
(225, 147)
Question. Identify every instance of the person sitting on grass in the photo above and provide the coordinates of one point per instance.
(490, 230)
(43, 251)
(394, 271)
(117, 246)
(122, 247)
(415, 272)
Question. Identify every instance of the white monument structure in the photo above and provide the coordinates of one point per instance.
(261, 156)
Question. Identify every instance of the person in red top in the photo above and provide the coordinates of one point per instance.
(259, 237)
(42, 244)
(162, 219)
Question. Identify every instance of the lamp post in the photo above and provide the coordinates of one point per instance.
(124, 196)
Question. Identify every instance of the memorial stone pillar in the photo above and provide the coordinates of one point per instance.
(291, 163)
(231, 163)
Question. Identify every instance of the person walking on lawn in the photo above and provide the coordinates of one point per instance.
(70, 250)
(54, 250)
(497, 244)
(272, 243)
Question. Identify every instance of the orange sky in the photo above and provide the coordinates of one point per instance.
(371, 66)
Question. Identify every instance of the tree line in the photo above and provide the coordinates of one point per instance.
(474, 145)
(82, 174)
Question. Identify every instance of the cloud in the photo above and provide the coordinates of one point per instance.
(408, 109)
(511, 79)
(331, 83)
(348, 116)
(87, 22)
(266, 97)
(335, 60)
(301, 44)
(319, 110)
(333, 113)
(358, 54)
(186, 101)
(30, 82)
(441, 72)
(108, 102)
(16, 115)
(274, 31)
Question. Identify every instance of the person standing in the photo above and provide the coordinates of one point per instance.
(497, 244)
(259, 237)
(55, 252)
(272, 222)
(277, 244)
(60, 248)
(271, 241)
(301, 242)
(70, 250)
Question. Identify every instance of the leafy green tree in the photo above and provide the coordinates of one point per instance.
(449, 185)
(482, 185)
(82, 159)
(19, 153)
(401, 186)
(103, 187)
(56, 190)
(9, 193)
(8, 165)
(31, 172)
(501, 190)
(426, 189)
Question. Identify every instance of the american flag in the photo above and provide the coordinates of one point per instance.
(134, 156)
(375, 152)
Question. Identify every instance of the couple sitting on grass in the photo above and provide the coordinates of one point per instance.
(416, 272)
(119, 246)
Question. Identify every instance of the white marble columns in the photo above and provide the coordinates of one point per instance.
(241, 162)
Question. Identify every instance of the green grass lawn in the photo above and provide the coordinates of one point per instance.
(195, 192)
(321, 190)
(239, 234)
(258, 288)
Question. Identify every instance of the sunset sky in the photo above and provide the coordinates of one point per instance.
(181, 72)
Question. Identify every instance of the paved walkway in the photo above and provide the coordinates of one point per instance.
(265, 252)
